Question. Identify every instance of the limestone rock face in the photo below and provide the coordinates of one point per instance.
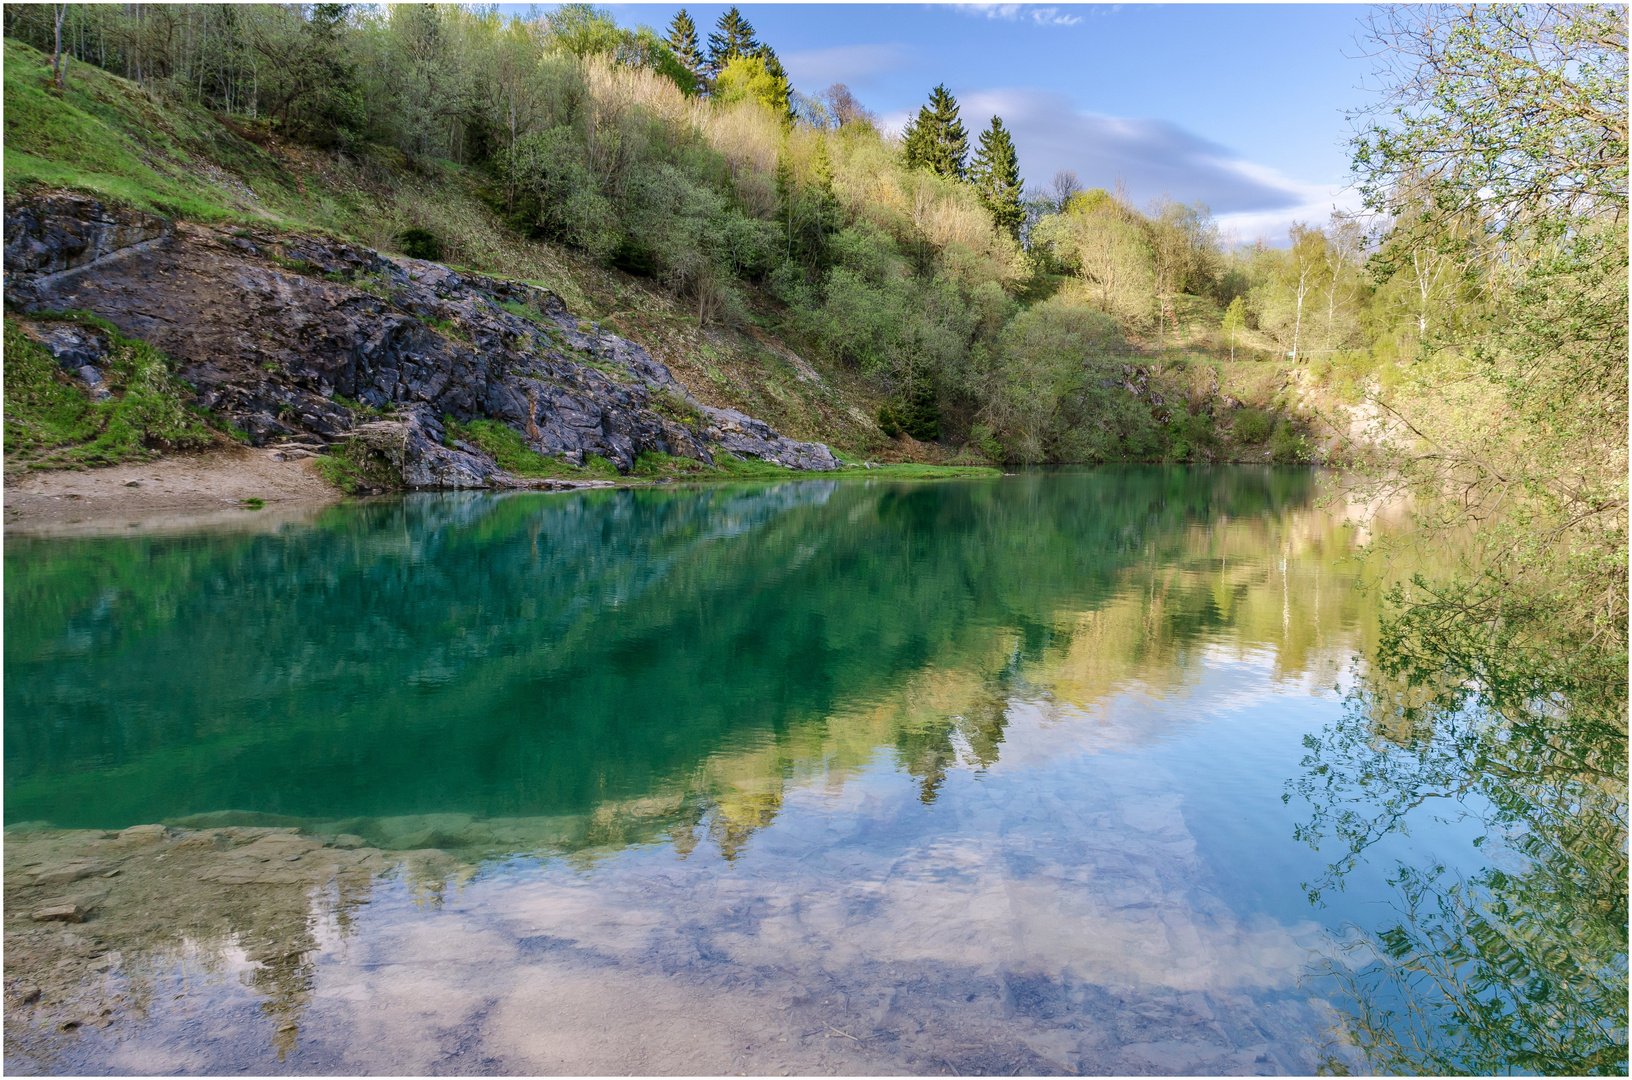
(60, 230)
(300, 335)
(744, 436)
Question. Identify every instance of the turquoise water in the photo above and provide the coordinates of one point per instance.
(982, 774)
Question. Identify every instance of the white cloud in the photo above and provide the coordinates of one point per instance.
(893, 123)
(1152, 158)
(1042, 16)
(857, 65)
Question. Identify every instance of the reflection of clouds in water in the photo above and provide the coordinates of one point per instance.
(860, 904)
(1024, 874)
(1042, 731)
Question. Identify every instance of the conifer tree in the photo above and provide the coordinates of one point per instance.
(824, 203)
(995, 172)
(683, 40)
(733, 36)
(936, 140)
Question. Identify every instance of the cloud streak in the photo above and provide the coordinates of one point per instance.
(1151, 157)
(858, 65)
(1042, 16)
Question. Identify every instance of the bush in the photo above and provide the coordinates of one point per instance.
(1252, 426)
(421, 244)
(1191, 436)
(1287, 446)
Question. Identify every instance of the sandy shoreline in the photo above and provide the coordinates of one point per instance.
(206, 486)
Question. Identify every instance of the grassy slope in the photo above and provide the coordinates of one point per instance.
(51, 423)
(113, 138)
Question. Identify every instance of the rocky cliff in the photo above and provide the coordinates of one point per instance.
(301, 337)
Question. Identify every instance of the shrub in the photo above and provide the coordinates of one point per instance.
(421, 244)
(1287, 446)
(1252, 426)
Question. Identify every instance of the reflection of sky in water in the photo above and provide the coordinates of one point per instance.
(1132, 860)
(1103, 878)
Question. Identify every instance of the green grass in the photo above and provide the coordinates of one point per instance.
(111, 138)
(448, 328)
(506, 446)
(516, 307)
(355, 470)
(676, 408)
(359, 410)
(51, 422)
(654, 465)
(84, 138)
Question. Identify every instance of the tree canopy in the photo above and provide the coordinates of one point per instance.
(995, 172)
(935, 139)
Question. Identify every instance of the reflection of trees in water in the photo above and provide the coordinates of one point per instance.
(535, 673)
(1521, 966)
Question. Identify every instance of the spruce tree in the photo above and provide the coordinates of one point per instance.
(683, 40)
(936, 140)
(733, 36)
(995, 172)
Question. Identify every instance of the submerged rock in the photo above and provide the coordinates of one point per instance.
(290, 335)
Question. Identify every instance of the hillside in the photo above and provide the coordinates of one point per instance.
(156, 163)
(807, 374)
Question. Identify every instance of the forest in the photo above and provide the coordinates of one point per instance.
(985, 311)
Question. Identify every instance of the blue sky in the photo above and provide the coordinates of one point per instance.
(1240, 106)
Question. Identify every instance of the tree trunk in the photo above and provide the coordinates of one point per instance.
(59, 63)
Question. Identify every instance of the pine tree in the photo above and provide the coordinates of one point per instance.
(936, 140)
(683, 40)
(733, 36)
(995, 172)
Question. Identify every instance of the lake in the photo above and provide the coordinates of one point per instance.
(981, 776)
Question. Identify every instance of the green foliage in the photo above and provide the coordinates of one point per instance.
(889, 420)
(746, 78)
(1501, 155)
(51, 423)
(421, 244)
(995, 173)
(1288, 446)
(356, 470)
(733, 37)
(1252, 426)
(1192, 437)
(683, 40)
(935, 139)
(1055, 390)
(677, 408)
(506, 447)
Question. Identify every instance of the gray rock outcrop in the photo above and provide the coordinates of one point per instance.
(292, 335)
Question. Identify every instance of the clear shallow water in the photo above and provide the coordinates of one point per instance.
(824, 776)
